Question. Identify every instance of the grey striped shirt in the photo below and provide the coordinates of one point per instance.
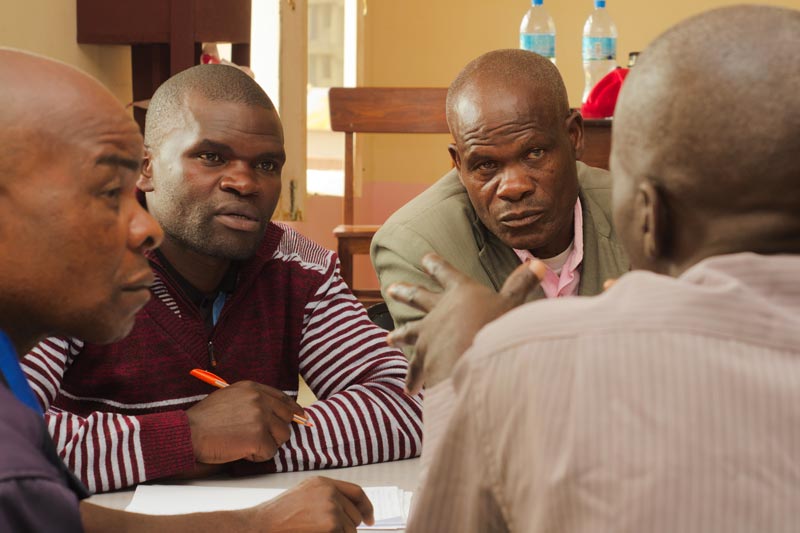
(663, 405)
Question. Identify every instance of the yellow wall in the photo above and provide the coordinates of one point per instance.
(638, 23)
(426, 42)
(406, 43)
(49, 27)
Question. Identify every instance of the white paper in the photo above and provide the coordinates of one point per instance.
(184, 499)
(391, 504)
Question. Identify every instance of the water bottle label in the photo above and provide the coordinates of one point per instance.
(599, 48)
(542, 44)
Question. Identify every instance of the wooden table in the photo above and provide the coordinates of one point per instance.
(403, 474)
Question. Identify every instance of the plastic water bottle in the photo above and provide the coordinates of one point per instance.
(599, 46)
(537, 32)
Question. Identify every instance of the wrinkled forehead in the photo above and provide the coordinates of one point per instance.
(485, 107)
(96, 130)
(84, 129)
(56, 115)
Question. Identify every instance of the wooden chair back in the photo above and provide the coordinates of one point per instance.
(376, 110)
(382, 110)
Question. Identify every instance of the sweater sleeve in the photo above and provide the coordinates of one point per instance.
(107, 451)
(363, 415)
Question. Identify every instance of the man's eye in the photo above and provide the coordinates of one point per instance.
(267, 166)
(114, 193)
(486, 166)
(536, 153)
(210, 157)
(112, 197)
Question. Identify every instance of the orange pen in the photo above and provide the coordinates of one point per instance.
(213, 379)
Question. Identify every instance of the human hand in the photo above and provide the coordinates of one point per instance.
(318, 504)
(246, 420)
(454, 316)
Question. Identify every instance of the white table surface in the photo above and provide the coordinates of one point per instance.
(403, 474)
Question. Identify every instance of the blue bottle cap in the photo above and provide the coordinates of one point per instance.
(599, 3)
(537, 2)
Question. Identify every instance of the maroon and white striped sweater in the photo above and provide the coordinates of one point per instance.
(117, 414)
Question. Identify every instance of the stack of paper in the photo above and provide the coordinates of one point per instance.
(391, 504)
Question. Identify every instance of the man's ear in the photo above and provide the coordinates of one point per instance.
(575, 132)
(456, 160)
(145, 181)
(454, 156)
(652, 220)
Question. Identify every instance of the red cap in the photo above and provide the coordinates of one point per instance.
(603, 96)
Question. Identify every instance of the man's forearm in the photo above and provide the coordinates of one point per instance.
(359, 426)
(111, 451)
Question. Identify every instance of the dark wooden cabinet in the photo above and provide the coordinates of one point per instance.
(165, 36)
(597, 142)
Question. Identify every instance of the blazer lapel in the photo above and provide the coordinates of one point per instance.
(497, 259)
(604, 257)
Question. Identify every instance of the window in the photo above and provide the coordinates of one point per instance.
(322, 36)
(332, 30)
(277, 46)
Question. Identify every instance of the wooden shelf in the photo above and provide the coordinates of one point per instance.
(596, 142)
(165, 36)
(151, 21)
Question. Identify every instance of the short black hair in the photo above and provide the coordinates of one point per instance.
(214, 82)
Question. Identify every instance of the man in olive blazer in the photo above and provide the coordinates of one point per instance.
(515, 186)
(442, 220)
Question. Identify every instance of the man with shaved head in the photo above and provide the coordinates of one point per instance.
(516, 192)
(674, 403)
(73, 239)
(249, 300)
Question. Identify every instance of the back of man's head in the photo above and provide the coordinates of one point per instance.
(710, 116)
(510, 68)
(213, 82)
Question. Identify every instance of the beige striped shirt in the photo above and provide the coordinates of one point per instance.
(663, 405)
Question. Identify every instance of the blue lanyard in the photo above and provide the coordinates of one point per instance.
(12, 372)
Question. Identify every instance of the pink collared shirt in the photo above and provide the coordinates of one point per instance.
(566, 282)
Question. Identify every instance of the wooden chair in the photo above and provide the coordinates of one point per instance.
(376, 110)
(165, 36)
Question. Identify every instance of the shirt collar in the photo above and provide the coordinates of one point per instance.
(575, 259)
(199, 298)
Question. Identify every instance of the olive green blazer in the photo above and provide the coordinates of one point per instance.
(442, 220)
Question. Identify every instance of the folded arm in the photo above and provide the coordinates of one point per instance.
(362, 416)
(106, 451)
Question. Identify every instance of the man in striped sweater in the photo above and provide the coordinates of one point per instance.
(250, 300)
(72, 153)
